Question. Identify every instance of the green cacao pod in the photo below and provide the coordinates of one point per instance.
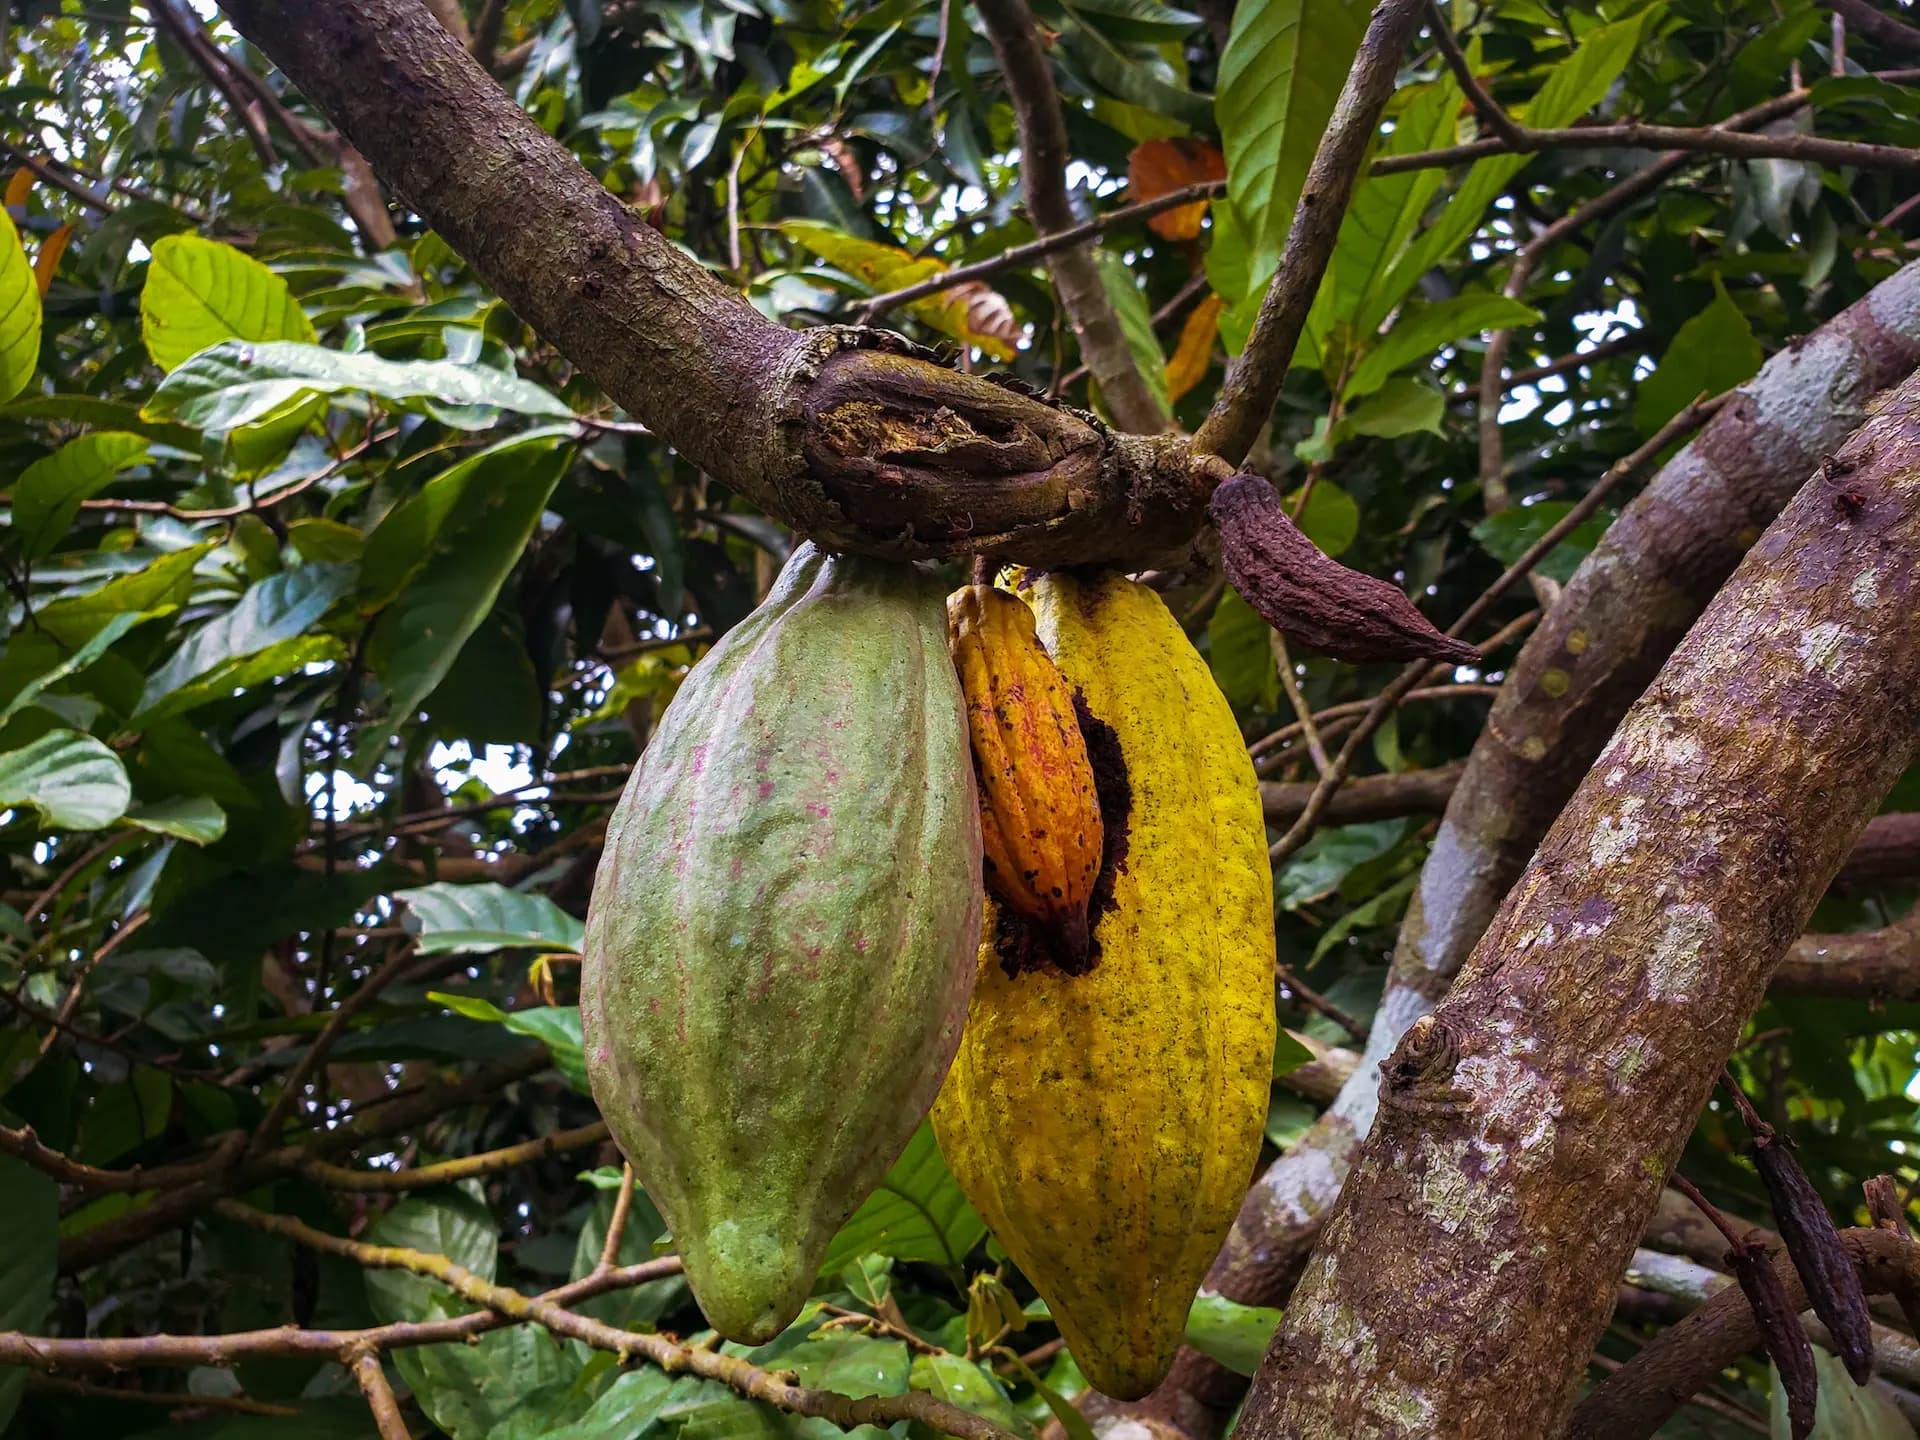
(781, 940)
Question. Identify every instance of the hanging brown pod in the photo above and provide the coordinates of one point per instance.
(1833, 1284)
(1785, 1342)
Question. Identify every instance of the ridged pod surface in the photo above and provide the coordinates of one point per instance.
(1106, 1124)
(1039, 817)
(783, 927)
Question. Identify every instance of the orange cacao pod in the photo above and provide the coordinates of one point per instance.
(1039, 817)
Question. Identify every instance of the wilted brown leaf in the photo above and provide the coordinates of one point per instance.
(1157, 167)
(1195, 351)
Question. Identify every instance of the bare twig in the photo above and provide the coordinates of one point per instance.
(1633, 135)
(1018, 255)
(674, 1358)
(1620, 345)
(364, 1362)
(1015, 36)
(1484, 105)
(419, 1177)
(1688, 420)
(71, 1001)
(1289, 682)
(617, 1222)
(1247, 397)
(1314, 1000)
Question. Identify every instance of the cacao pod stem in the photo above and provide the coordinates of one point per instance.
(1296, 588)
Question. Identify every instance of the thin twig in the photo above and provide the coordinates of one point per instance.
(1314, 1000)
(1044, 153)
(617, 1222)
(1289, 682)
(71, 1001)
(1018, 255)
(674, 1358)
(1485, 106)
(1620, 345)
(251, 504)
(1684, 423)
(1634, 135)
(45, 170)
(364, 1362)
(1246, 399)
(1707, 1208)
(467, 1167)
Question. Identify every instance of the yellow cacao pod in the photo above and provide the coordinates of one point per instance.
(1039, 817)
(1106, 1124)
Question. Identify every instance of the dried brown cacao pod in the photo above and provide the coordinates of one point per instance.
(1307, 596)
(1785, 1342)
(1833, 1284)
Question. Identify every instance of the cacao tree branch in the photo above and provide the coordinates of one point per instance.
(1651, 574)
(828, 430)
(1015, 37)
(1253, 382)
(1545, 1100)
(364, 1363)
(669, 1355)
(1870, 20)
(446, 1172)
(1879, 964)
(1639, 1397)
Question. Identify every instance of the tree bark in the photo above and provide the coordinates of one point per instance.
(1528, 1125)
(851, 437)
(1620, 615)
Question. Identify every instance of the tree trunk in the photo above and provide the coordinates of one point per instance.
(1527, 1126)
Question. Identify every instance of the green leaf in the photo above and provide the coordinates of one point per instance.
(555, 1026)
(1509, 534)
(1382, 909)
(48, 493)
(1577, 84)
(200, 292)
(1842, 1410)
(473, 919)
(1331, 519)
(1136, 321)
(73, 664)
(1328, 858)
(237, 383)
(1280, 74)
(1713, 351)
(102, 414)
(1418, 335)
(72, 780)
(278, 609)
(1385, 210)
(326, 541)
(917, 1213)
(155, 589)
(1233, 1334)
(229, 679)
(417, 638)
(1128, 79)
(196, 818)
(1400, 407)
(1288, 1053)
(19, 313)
(1240, 653)
(959, 1381)
(29, 1243)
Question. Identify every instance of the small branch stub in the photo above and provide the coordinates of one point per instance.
(1308, 597)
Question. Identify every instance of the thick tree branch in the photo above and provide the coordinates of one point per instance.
(1870, 20)
(1879, 964)
(1015, 37)
(1253, 383)
(1372, 797)
(848, 437)
(1541, 1106)
(1637, 1399)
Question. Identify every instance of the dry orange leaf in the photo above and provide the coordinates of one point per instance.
(1157, 167)
(48, 260)
(18, 186)
(1195, 351)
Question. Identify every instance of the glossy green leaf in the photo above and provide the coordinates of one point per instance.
(71, 780)
(1327, 859)
(917, 1213)
(1510, 533)
(1419, 334)
(472, 919)
(29, 1246)
(1235, 1335)
(555, 1026)
(155, 589)
(1331, 519)
(103, 413)
(1288, 1053)
(959, 1381)
(1280, 74)
(280, 608)
(96, 646)
(1399, 407)
(48, 493)
(419, 635)
(1126, 78)
(19, 313)
(1136, 321)
(200, 292)
(197, 818)
(238, 383)
(300, 653)
(1240, 652)
(1713, 351)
